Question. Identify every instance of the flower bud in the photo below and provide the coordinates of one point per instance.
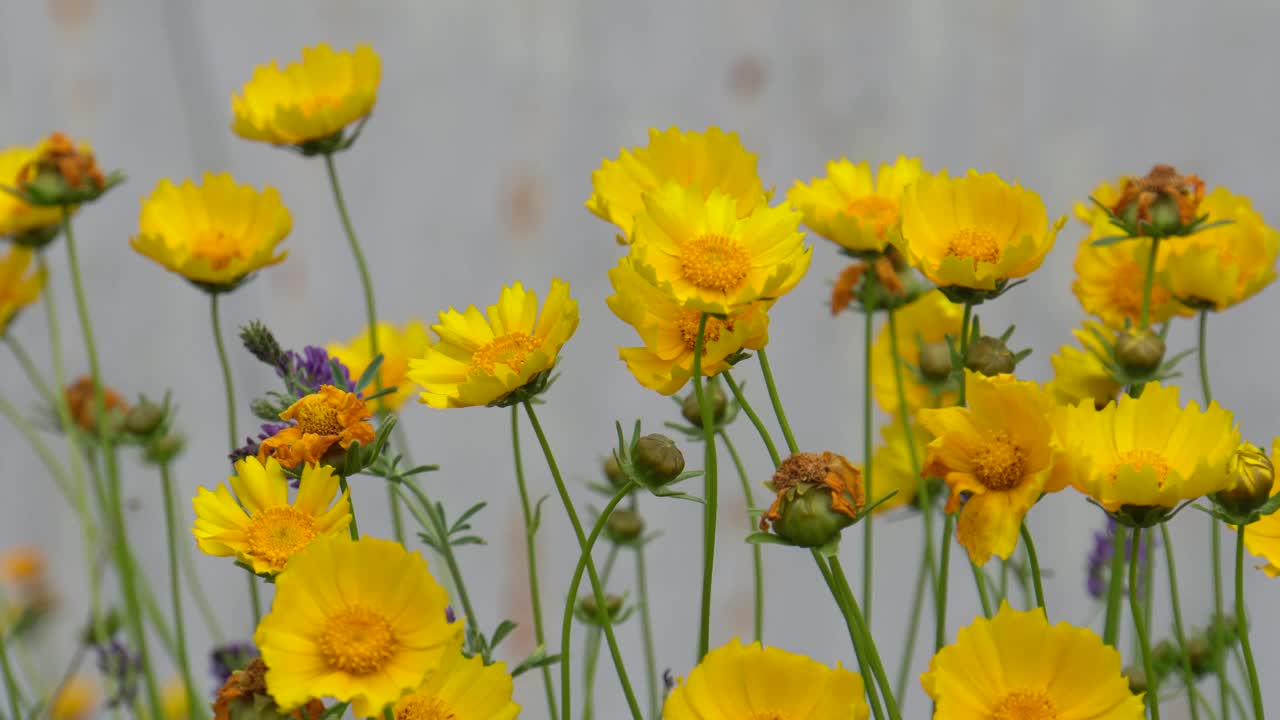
(624, 526)
(616, 477)
(259, 341)
(1139, 351)
(808, 520)
(589, 611)
(63, 175)
(817, 497)
(1252, 477)
(1137, 680)
(143, 418)
(935, 361)
(657, 460)
(1200, 653)
(164, 449)
(989, 356)
(719, 404)
(1164, 199)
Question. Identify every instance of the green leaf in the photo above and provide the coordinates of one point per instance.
(764, 538)
(501, 632)
(536, 522)
(536, 659)
(466, 515)
(339, 378)
(369, 373)
(1110, 240)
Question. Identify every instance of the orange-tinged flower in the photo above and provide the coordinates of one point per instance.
(324, 418)
(244, 694)
(816, 495)
(16, 216)
(83, 405)
(1109, 280)
(21, 565)
(1224, 265)
(853, 208)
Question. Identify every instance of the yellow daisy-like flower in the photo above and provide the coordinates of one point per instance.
(1109, 280)
(215, 233)
(1016, 666)
(698, 250)
(1224, 265)
(928, 319)
(1079, 374)
(397, 345)
(669, 332)
(254, 521)
(308, 100)
(1263, 537)
(77, 699)
(324, 418)
(892, 468)
(16, 216)
(463, 688)
(853, 208)
(1147, 451)
(734, 681)
(1088, 212)
(704, 161)
(999, 451)
(174, 703)
(356, 620)
(480, 361)
(18, 288)
(975, 231)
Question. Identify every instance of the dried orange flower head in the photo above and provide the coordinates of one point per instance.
(245, 695)
(323, 419)
(846, 286)
(818, 495)
(1163, 198)
(21, 565)
(83, 405)
(74, 166)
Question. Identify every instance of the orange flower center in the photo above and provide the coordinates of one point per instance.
(874, 211)
(424, 708)
(510, 350)
(317, 417)
(358, 640)
(216, 247)
(22, 565)
(977, 244)
(1139, 459)
(687, 323)
(714, 262)
(276, 533)
(318, 104)
(1025, 705)
(999, 463)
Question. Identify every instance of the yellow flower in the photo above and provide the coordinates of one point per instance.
(174, 703)
(22, 565)
(215, 233)
(463, 688)
(1147, 451)
(975, 231)
(1079, 374)
(1016, 666)
(999, 451)
(16, 216)
(1088, 212)
(77, 699)
(669, 332)
(1263, 537)
(1109, 280)
(704, 161)
(707, 257)
(733, 681)
(397, 345)
(892, 468)
(480, 361)
(928, 319)
(324, 418)
(308, 100)
(18, 288)
(257, 524)
(356, 620)
(852, 208)
(1225, 265)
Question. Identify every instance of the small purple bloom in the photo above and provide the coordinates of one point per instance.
(311, 369)
(449, 615)
(120, 666)
(250, 448)
(226, 659)
(1099, 561)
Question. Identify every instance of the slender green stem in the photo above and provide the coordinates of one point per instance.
(1188, 678)
(51, 463)
(172, 539)
(711, 492)
(1148, 281)
(1216, 639)
(1115, 587)
(923, 501)
(233, 437)
(255, 600)
(855, 638)
(868, 454)
(980, 582)
(1202, 353)
(754, 417)
(757, 562)
(366, 283)
(393, 499)
(646, 633)
(913, 628)
(944, 569)
(594, 636)
(531, 555)
(29, 367)
(1242, 621)
(353, 528)
(10, 681)
(873, 655)
(1029, 545)
(1140, 627)
(792, 446)
(430, 521)
(207, 615)
(965, 324)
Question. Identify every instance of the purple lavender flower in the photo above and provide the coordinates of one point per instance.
(1099, 561)
(311, 369)
(120, 666)
(226, 659)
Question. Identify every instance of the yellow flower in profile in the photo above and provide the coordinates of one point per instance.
(706, 257)
(928, 319)
(1147, 451)
(975, 231)
(892, 468)
(1109, 280)
(463, 688)
(705, 161)
(733, 681)
(1079, 374)
(999, 452)
(1263, 537)
(397, 345)
(77, 699)
(215, 233)
(481, 361)
(323, 419)
(308, 100)
(1016, 666)
(669, 332)
(853, 208)
(254, 520)
(1088, 212)
(16, 216)
(1224, 265)
(18, 288)
(359, 620)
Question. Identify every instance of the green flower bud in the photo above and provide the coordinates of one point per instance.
(38, 237)
(1200, 653)
(164, 449)
(989, 356)
(693, 413)
(1137, 680)
(589, 611)
(657, 460)
(614, 473)
(624, 526)
(1252, 477)
(1139, 351)
(143, 418)
(808, 520)
(935, 361)
(264, 409)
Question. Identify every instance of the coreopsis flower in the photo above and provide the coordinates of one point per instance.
(17, 218)
(480, 361)
(1079, 373)
(698, 250)
(703, 161)
(669, 332)
(892, 468)
(254, 522)
(1165, 201)
(396, 345)
(734, 681)
(310, 100)
(360, 621)
(243, 694)
(323, 419)
(974, 232)
(1147, 452)
(999, 453)
(175, 704)
(63, 174)
(1224, 265)
(1017, 665)
(18, 288)
(1263, 537)
(462, 687)
(1109, 280)
(815, 497)
(84, 406)
(78, 698)
(214, 234)
(923, 326)
(853, 208)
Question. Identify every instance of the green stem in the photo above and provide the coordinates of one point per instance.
(711, 492)
(754, 417)
(207, 615)
(366, 283)
(913, 628)
(531, 554)
(1034, 560)
(1202, 353)
(868, 475)
(1188, 678)
(28, 367)
(431, 523)
(646, 633)
(873, 655)
(175, 589)
(594, 635)
(1219, 649)
(923, 501)
(233, 437)
(393, 500)
(10, 681)
(864, 664)
(757, 562)
(51, 463)
(1255, 688)
(1148, 281)
(1140, 627)
(980, 582)
(944, 569)
(353, 528)
(792, 446)
(965, 324)
(1115, 587)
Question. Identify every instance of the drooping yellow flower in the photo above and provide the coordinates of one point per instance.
(1109, 280)
(1263, 537)
(734, 681)
(356, 620)
(669, 332)
(215, 233)
(254, 520)
(1147, 451)
(928, 319)
(852, 208)
(975, 231)
(1080, 374)
(18, 288)
(892, 468)
(999, 451)
(77, 699)
(1224, 265)
(704, 255)
(1016, 666)
(703, 161)
(324, 418)
(463, 688)
(397, 345)
(480, 361)
(16, 216)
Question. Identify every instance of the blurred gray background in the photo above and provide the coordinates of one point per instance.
(472, 174)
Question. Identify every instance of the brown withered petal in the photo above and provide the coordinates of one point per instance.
(842, 291)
